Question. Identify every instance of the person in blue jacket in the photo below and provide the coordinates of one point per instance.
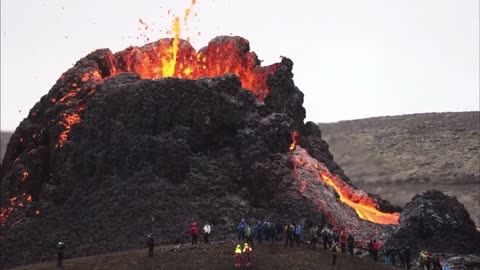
(298, 233)
(241, 230)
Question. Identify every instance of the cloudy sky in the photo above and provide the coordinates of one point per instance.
(353, 58)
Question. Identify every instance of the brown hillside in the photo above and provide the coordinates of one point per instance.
(400, 156)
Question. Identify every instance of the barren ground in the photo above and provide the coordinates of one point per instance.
(217, 256)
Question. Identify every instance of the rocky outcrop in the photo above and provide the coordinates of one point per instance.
(438, 223)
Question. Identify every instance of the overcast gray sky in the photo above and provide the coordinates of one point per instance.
(352, 58)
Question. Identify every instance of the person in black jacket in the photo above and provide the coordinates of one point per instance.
(407, 257)
(150, 244)
(350, 243)
(60, 251)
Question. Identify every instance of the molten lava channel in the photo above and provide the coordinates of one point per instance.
(364, 206)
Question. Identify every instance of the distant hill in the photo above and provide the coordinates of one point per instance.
(5, 137)
(399, 156)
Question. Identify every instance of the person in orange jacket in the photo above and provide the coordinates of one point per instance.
(247, 251)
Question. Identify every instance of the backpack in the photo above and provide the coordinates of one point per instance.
(291, 229)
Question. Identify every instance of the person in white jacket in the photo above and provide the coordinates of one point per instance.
(206, 232)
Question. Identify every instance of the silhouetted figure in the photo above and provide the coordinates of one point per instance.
(376, 248)
(278, 231)
(258, 230)
(401, 256)
(313, 237)
(370, 249)
(350, 243)
(407, 255)
(343, 241)
(60, 252)
(436, 263)
(326, 237)
(335, 253)
(150, 244)
(289, 232)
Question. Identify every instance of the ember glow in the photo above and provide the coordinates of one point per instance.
(294, 140)
(68, 121)
(364, 206)
(14, 203)
(24, 176)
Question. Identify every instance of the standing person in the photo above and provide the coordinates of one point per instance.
(330, 238)
(436, 263)
(241, 230)
(238, 256)
(60, 251)
(206, 232)
(249, 235)
(298, 233)
(335, 237)
(313, 236)
(335, 253)
(246, 252)
(266, 229)
(343, 241)
(407, 255)
(289, 232)
(376, 248)
(150, 244)
(393, 256)
(350, 243)
(370, 249)
(258, 230)
(324, 234)
(194, 234)
(401, 257)
(278, 231)
(424, 260)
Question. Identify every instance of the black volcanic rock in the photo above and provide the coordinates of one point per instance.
(438, 223)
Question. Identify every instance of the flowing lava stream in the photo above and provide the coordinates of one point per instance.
(364, 206)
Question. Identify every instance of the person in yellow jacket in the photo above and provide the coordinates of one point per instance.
(247, 251)
(335, 253)
(238, 256)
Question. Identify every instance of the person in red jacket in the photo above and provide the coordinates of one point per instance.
(376, 248)
(343, 241)
(194, 234)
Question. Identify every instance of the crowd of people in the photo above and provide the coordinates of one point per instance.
(294, 235)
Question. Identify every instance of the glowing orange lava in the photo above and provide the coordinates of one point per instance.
(68, 121)
(294, 140)
(364, 206)
(24, 176)
(177, 58)
(15, 202)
